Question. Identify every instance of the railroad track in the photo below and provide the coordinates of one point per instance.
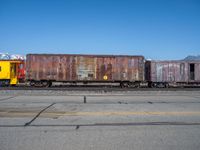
(99, 88)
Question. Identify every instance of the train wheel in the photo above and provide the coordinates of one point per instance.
(124, 84)
(36, 83)
(32, 83)
(46, 83)
(4, 83)
(137, 84)
(132, 84)
(49, 84)
(150, 84)
(41, 83)
(121, 85)
(166, 85)
(153, 85)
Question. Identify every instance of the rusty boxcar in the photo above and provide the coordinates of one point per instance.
(163, 73)
(43, 69)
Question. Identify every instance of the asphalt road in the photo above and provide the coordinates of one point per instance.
(144, 120)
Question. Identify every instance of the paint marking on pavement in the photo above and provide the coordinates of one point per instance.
(114, 113)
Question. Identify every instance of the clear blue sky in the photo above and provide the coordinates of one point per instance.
(157, 29)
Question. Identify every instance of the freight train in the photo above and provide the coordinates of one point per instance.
(128, 71)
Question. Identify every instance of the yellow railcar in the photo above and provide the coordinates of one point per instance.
(9, 72)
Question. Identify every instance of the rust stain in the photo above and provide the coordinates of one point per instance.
(84, 67)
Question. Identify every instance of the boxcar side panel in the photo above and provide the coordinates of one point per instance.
(162, 71)
(84, 67)
(197, 71)
(173, 71)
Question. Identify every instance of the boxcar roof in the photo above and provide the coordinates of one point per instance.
(89, 55)
(174, 61)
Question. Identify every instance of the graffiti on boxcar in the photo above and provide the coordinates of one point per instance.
(86, 68)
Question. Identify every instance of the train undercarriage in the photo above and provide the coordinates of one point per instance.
(122, 84)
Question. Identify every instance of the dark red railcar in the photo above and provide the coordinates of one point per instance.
(45, 68)
(163, 73)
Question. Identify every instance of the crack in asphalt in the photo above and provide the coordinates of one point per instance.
(7, 98)
(77, 126)
(29, 123)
